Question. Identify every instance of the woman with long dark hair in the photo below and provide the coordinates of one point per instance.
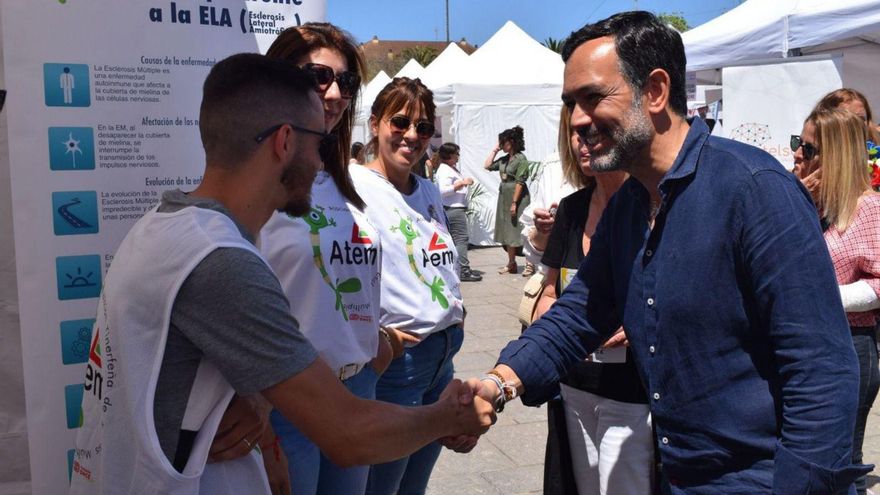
(328, 260)
(421, 306)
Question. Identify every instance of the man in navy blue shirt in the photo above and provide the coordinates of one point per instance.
(712, 259)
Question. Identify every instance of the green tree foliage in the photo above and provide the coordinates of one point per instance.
(675, 19)
(392, 65)
(554, 44)
(422, 54)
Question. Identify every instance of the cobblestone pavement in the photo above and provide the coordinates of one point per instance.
(510, 458)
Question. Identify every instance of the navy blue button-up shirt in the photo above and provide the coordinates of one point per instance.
(732, 310)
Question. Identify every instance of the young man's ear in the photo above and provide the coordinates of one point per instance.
(282, 144)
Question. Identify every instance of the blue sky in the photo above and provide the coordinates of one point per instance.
(477, 20)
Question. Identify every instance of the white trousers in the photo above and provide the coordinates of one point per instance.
(612, 444)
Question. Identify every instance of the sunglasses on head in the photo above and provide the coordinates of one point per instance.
(810, 151)
(348, 81)
(424, 128)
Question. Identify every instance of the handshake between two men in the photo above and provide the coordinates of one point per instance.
(352, 431)
(494, 389)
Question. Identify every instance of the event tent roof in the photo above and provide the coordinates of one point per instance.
(512, 57)
(369, 93)
(411, 69)
(445, 68)
(762, 29)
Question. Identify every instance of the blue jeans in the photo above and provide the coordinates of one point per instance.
(865, 343)
(312, 473)
(414, 379)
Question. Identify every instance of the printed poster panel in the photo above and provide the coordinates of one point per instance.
(103, 105)
(765, 104)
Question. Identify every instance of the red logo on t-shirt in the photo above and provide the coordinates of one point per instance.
(95, 350)
(437, 243)
(359, 236)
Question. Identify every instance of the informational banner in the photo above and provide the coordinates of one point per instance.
(765, 104)
(103, 113)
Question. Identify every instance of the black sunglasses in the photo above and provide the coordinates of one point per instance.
(328, 140)
(349, 82)
(424, 128)
(810, 151)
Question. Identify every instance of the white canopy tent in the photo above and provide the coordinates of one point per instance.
(361, 131)
(763, 29)
(411, 69)
(445, 69)
(511, 80)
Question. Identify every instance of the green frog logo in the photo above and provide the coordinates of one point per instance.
(317, 220)
(405, 227)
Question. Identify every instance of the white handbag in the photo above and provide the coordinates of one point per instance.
(531, 294)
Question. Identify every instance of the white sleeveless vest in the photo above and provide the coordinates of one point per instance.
(117, 450)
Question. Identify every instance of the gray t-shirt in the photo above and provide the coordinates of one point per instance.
(232, 311)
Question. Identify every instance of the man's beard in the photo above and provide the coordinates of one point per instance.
(629, 140)
(299, 190)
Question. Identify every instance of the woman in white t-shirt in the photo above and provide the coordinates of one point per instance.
(328, 261)
(421, 307)
(453, 188)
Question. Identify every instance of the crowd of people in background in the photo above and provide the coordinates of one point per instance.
(711, 328)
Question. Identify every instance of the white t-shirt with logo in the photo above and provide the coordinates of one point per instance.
(421, 292)
(328, 262)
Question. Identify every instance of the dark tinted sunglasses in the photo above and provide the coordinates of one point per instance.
(348, 82)
(328, 140)
(424, 128)
(810, 151)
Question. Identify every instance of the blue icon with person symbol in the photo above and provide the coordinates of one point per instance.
(75, 212)
(78, 277)
(66, 85)
(71, 148)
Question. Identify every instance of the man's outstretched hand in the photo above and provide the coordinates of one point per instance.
(470, 395)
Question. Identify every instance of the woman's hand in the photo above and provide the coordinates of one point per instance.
(812, 183)
(513, 210)
(384, 354)
(617, 340)
(545, 218)
(399, 339)
(242, 427)
(275, 463)
(462, 183)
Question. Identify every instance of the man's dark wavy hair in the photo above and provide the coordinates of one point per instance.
(643, 43)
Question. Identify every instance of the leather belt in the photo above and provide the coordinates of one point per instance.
(349, 370)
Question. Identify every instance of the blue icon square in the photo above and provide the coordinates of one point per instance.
(71, 148)
(79, 277)
(76, 336)
(75, 212)
(66, 85)
(70, 456)
(73, 397)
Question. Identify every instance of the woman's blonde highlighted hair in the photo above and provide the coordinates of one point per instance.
(843, 158)
(571, 164)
